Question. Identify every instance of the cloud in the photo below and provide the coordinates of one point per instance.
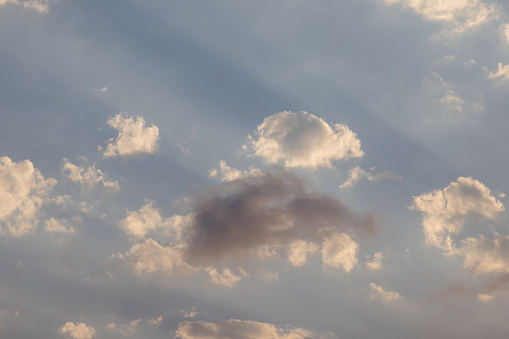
(446, 59)
(57, 226)
(463, 14)
(504, 30)
(303, 140)
(23, 191)
(227, 173)
(133, 137)
(503, 72)
(191, 313)
(224, 278)
(339, 250)
(381, 294)
(238, 329)
(88, 176)
(298, 251)
(102, 90)
(238, 217)
(78, 330)
(445, 210)
(451, 101)
(486, 256)
(40, 6)
(137, 224)
(357, 173)
(376, 263)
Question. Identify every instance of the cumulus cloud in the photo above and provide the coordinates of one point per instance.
(57, 226)
(463, 14)
(302, 140)
(224, 278)
(451, 101)
(40, 6)
(483, 255)
(446, 210)
(339, 250)
(239, 217)
(227, 173)
(502, 72)
(23, 191)
(298, 251)
(375, 263)
(381, 294)
(133, 137)
(88, 176)
(238, 329)
(357, 173)
(78, 330)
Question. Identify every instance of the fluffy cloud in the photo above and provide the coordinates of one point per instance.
(445, 211)
(57, 226)
(237, 329)
(380, 293)
(356, 174)
(227, 173)
(376, 262)
(463, 14)
(298, 251)
(40, 6)
(138, 223)
(88, 176)
(503, 72)
(133, 137)
(78, 330)
(486, 256)
(23, 190)
(241, 216)
(303, 140)
(224, 278)
(339, 250)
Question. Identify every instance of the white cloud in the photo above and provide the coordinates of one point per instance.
(463, 14)
(88, 176)
(138, 223)
(151, 257)
(224, 278)
(23, 191)
(504, 30)
(133, 137)
(502, 72)
(227, 173)
(40, 6)
(57, 226)
(376, 263)
(238, 329)
(303, 140)
(445, 211)
(451, 101)
(78, 330)
(380, 293)
(298, 251)
(486, 256)
(338, 250)
(356, 174)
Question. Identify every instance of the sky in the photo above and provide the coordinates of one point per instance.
(254, 169)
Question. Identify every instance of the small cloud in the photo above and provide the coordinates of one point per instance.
(224, 278)
(78, 330)
(155, 321)
(446, 59)
(133, 137)
(381, 294)
(101, 90)
(483, 255)
(110, 326)
(227, 173)
(298, 251)
(503, 72)
(485, 297)
(376, 262)
(191, 313)
(357, 173)
(504, 30)
(338, 250)
(88, 176)
(40, 6)
(302, 140)
(58, 226)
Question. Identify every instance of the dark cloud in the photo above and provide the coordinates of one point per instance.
(275, 207)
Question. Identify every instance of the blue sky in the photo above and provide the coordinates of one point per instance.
(269, 169)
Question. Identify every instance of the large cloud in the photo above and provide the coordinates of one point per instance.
(23, 190)
(463, 14)
(133, 137)
(78, 330)
(240, 216)
(445, 210)
(237, 329)
(303, 140)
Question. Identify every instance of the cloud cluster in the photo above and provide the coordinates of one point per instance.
(237, 329)
(40, 6)
(23, 191)
(133, 137)
(463, 14)
(78, 330)
(357, 173)
(88, 176)
(303, 140)
(446, 210)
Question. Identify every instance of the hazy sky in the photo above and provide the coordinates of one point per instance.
(254, 169)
